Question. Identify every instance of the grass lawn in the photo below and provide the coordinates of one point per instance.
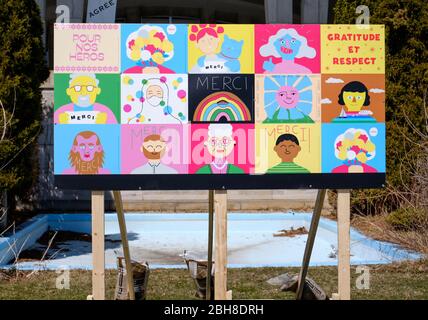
(407, 280)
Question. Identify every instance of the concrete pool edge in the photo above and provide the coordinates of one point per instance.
(26, 235)
(31, 230)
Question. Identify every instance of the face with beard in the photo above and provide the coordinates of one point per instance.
(154, 95)
(83, 91)
(86, 155)
(153, 147)
(87, 147)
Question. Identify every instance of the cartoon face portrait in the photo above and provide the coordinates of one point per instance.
(287, 44)
(287, 99)
(206, 37)
(87, 147)
(355, 149)
(153, 147)
(154, 94)
(218, 149)
(149, 47)
(154, 99)
(86, 155)
(287, 148)
(83, 89)
(82, 92)
(354, 96)
(220, 142)
(220, 48)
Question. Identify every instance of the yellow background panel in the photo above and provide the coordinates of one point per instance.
(345, 50)
(309, 136)
(236, 32)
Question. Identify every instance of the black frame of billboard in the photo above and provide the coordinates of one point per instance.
(220, 181)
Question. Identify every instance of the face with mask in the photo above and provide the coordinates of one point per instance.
(154, 95)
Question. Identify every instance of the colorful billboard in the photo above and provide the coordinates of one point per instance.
(176, 106)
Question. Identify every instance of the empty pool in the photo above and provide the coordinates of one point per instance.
(160, 239)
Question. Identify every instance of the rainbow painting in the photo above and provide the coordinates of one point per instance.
(222, 107)
(221, 98)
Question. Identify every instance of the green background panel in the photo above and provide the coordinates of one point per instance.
(109, 96)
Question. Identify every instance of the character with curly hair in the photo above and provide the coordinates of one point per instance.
(288, 45)
(86, 155)
(150, 48)
(354, 148)
(219, 55)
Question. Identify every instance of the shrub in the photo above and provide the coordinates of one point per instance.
(406, 28)
(22, 70)
(408, 219)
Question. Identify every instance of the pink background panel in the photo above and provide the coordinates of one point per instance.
(309, 31)
(132, 136)
(243, 155)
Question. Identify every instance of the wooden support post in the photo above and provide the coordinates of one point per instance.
(210, 241)
(310, 242)
(125, 245)
(343, 241)
(220, 207)
(98, 257)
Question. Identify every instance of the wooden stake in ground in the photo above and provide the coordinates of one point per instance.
(220, 276)
(310, 242)
(98, 257)
(125, 245)
(210, 242)
(343, 240)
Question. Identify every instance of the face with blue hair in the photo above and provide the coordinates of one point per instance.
(287, 47)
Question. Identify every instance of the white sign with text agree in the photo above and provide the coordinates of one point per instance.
(101, 11)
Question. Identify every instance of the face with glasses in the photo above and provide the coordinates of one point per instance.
(83, 91)
(87, 147)
(220, 146)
